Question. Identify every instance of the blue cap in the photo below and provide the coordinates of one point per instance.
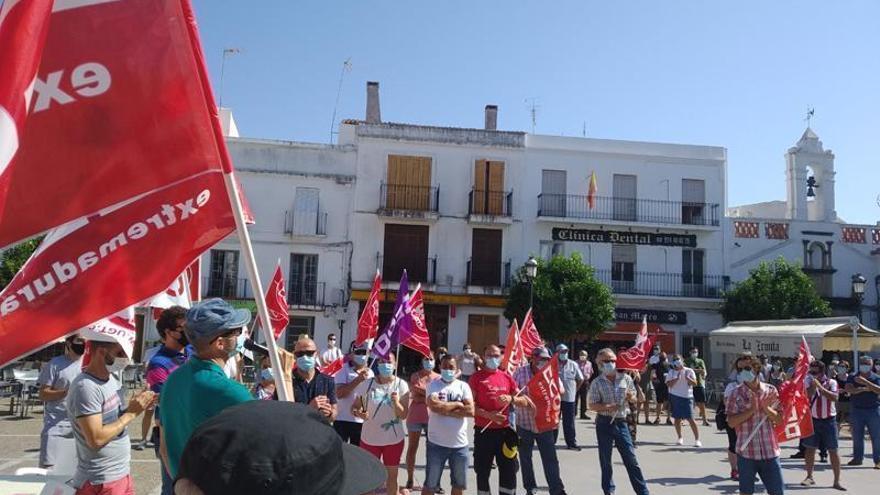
(561, 348)
(211, 318)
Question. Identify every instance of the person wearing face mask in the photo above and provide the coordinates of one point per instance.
(528, 432)
(417, 417)
(699, 366)
(95, 402)
(347, 380)
(382, 402)
(753, 411)
(661, 391)
(572, 378)
(681, 380)
(199, 389)
(331, 353)
(609, 396)
(864, 390)
(54, 381)
(777, 375)
(310, 386)
(468, 362)
(586, 367)
(840, 372)
(450, 402)
(822, 392)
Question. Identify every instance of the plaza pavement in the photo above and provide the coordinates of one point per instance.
(669, 469)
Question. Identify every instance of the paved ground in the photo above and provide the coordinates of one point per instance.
(668, 468)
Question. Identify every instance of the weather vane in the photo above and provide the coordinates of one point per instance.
(810, 112)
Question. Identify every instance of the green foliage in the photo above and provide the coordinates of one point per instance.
(569, 300)
(775, 291)
(13, 258)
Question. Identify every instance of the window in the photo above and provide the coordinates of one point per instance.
(223, 281)
(409, 183)
(623, 268)
(299, 325)
(550, 249)
(485, 265)
(692, 266)
(306, 206)
(488, 195)
(624, 197)
(693, 201)
(303, 280)
(406, 247)
(553, 195)
(816, 256)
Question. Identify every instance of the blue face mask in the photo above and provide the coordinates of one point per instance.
(427, 364)
(359, 360)
(865, 368)
(609, 368)
(492, 363)
(447, 375)
(386, 369)
(305, 363)
(745, 376)
(563, 356)
(676, 364)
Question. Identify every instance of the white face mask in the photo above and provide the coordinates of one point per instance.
(119, 364)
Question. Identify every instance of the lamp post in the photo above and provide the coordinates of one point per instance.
(858, 292)
(531, 273)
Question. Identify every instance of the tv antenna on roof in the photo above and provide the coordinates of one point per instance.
(227, 52)
(346, 67)
(533, 111)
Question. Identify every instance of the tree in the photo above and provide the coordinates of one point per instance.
(13, 258)
(775, 291)
(569, 300)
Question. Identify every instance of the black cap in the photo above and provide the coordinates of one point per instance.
(270, 447)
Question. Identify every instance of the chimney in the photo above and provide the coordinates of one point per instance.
(373, 114)
(491, 117)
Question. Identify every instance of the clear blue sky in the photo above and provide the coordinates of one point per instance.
(734, 74)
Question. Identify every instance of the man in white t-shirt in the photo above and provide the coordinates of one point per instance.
(681, 381)
(352, 374)
(450, 402)
(332, 353)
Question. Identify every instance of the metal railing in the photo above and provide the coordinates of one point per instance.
(494, 203)
(305, 295)
(227, 287)
(488, 274)
(666, 284)
(409, 197)
(308, 226)
(628, 210)
(418, 270)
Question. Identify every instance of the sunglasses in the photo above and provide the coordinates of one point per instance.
(304, 353)
(360, 352)
(609, 360)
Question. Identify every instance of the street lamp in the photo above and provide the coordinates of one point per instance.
(531, 273)
(858, 291)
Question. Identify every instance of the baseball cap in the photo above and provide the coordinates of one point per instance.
(214, 317)
(272, 448)
(541, 352)
(561, 348)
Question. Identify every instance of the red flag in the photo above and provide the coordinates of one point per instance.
(193, 274)
(636, 356)
(545, 393)
(276, 300)
(332, 368)
(529, 336)
(419, 340)
(368, 324)
(797, 421)
(513, 355)
(120, 107)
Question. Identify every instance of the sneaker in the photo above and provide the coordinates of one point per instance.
(734, 475)
(855, 463)
(574, 448)
(139, 445)
(148, 444)
(808, 482)
(680, 441)
(797, 455)
(698, 444)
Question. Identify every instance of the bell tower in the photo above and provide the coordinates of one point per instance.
(809, 172)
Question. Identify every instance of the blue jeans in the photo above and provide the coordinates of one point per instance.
(568, 409)
(769, 470)
(608, 434)
(859, 419)
(436, 457)
(547, 447)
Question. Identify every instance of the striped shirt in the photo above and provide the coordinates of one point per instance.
(821, 406)
(763, 445)
(605, 391)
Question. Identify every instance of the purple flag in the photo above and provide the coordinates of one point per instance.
(399, 327)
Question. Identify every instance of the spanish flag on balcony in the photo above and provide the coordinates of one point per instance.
(591, 193)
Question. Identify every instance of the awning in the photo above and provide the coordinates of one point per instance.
(783, 337)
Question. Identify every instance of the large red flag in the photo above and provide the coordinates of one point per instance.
(276, 300)
(332, 368)
(120, 107)
(513, 354)
(636, 356)
(418, 340)
(797, 421)
(545, 393)
(368, 323)
(529, 336)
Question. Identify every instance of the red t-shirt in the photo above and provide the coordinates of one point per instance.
(486, 386)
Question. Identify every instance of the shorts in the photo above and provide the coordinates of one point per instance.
(122, 486)
(700, 395)
(682, 407)
(53, 445)
(417, 427)
(824, 434)
(769, 470)
(388, 454)
(731, 440)
(436, 457)
(662, 393)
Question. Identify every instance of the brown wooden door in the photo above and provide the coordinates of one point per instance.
(486, 257)
(482, 331)
(408, 182)
(488, 187)
(406, 246)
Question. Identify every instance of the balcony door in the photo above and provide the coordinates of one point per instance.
(408, 184)
(624, 197)
(305, 211)
(692, 270)
(303, 280)
(623, 268)
(553, 193)
(406, 246)
(482, 331)
(486, 258)
(488, 188)
(693, 202)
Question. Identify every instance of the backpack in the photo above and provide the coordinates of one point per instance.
(721, 416)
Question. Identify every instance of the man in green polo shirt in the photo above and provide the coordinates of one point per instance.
(199, 389)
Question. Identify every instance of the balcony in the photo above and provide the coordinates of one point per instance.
(628, 210)
(227, 287)
(493, 275)
(666, 284)
(306, 296)
(409, 202)
(307, 225)
(418, 270)
(490, 207)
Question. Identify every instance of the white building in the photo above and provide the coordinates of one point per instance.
(805, 229)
